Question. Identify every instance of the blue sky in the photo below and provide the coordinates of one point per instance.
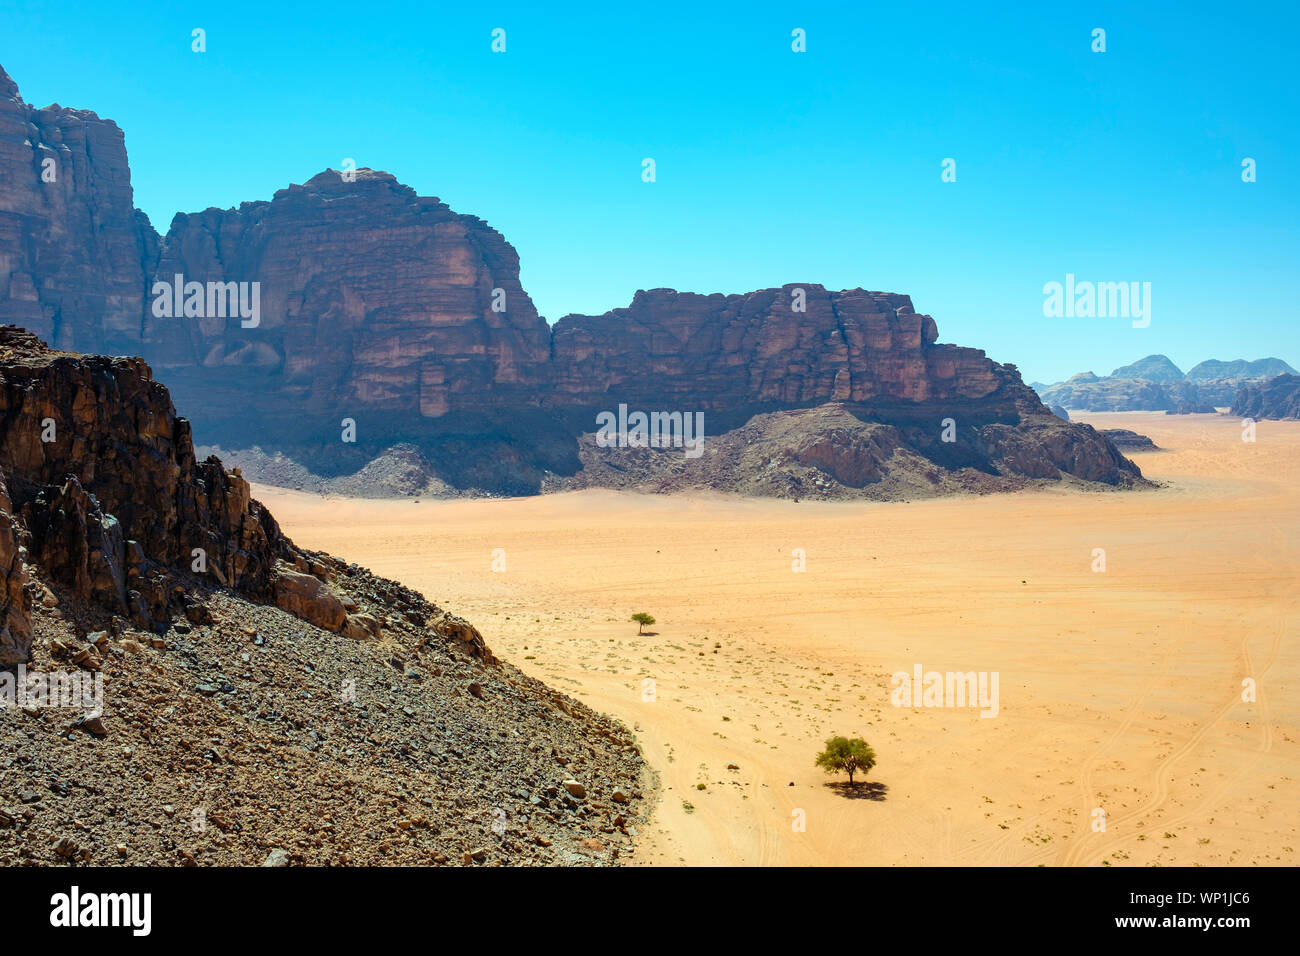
(772, 167)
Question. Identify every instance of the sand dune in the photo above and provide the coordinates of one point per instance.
(1118, 690)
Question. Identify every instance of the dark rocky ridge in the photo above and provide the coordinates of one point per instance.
(395, 312)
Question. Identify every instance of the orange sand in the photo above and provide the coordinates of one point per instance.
(1119, 690)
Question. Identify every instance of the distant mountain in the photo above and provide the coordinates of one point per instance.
(1240, 368)
(1153, 368)
(1156, 384)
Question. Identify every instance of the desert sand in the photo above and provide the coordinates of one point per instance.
(1118, 689)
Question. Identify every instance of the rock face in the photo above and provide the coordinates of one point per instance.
(74, 252)
(799, 344)
(370, 297)
(373, 318)
(1276, 398)
(1156, 384)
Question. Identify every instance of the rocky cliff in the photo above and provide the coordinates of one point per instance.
(75, 254)
(796, 345)
(370, 297)
(348, 316)
(247, 685)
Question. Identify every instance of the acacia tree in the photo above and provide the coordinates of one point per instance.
(643, 620)
(843, 755)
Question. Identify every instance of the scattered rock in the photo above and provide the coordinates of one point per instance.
(93, 725)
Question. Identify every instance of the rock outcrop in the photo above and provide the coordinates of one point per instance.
(1276, 398)
(100, 489)
(1127, 438)
(102, 474)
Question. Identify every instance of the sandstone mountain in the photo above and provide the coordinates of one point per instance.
(391, 333)
(1153, 368)
(1276, 398)
(1239, 369)
(1155, 383)
(297, 707)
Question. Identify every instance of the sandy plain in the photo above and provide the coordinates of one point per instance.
(1119, 690)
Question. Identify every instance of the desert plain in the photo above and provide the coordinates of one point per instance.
(1120, 690)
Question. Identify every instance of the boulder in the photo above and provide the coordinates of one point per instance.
(307, 597)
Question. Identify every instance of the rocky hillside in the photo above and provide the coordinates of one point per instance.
(836, 452)
(260, 702)
(1155, 383)
(1276, 398)
(385, 332)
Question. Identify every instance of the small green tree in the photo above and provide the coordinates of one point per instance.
(843, 755)
(643, 620)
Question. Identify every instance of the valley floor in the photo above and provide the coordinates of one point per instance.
(1119, 690)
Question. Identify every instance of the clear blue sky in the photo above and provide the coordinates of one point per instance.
(773, 167)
